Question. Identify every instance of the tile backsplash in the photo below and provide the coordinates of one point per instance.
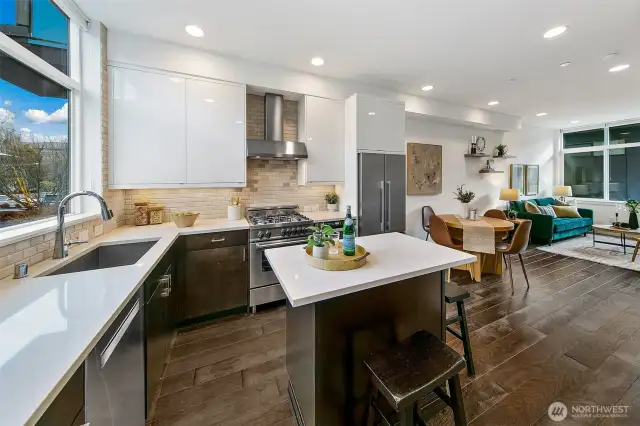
(268, 181)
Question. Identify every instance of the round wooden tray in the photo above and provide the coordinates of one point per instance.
(338, 262)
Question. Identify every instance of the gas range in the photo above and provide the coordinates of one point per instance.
(276, 223)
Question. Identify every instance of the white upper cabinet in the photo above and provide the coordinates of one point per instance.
(148, 128)
(216, 142)
(379, 125)
(321, 128)
(169, 131)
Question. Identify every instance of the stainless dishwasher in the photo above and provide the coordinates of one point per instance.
(115, 383)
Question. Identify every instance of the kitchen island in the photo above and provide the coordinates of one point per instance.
(335, 318)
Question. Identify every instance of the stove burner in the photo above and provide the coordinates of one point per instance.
(270, 219)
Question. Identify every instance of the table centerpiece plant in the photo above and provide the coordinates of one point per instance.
(332, 200)
(465, 197)
(319, 240)
(633, 206)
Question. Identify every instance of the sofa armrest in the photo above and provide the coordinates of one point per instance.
(586, 213)
(541, 226)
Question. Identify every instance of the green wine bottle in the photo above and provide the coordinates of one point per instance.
(348, 235)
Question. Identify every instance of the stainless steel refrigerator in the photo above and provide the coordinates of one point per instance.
(381, 193)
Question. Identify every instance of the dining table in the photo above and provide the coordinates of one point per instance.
(487, 263)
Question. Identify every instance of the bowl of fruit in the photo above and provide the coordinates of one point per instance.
(184, 219)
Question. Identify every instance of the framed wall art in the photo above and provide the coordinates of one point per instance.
(516, 177)
(532, 179)
(424, 169)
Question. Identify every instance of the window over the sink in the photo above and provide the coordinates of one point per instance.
(39, 86)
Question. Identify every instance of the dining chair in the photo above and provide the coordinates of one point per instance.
(496, 214)
(517, 245)
(427, 212)
(440, 235)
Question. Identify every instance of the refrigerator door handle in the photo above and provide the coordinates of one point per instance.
(388, 205)
(382, 221)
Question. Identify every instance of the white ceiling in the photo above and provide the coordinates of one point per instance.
(467, 49)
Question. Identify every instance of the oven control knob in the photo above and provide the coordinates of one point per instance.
(267, 234)
(285, 232)
(260, 234)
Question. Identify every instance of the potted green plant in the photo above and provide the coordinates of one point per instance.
(320, 240)
(332, 200)
(465, 197)
(633, 206)
(501, 150)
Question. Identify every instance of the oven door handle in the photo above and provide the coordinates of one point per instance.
(261, 246)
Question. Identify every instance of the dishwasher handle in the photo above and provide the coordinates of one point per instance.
(113, 344)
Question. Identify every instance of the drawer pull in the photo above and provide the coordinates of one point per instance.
(218, 240)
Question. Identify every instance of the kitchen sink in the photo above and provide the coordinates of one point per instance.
(108, 256)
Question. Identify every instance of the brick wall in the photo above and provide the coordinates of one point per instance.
(114, 198)
(268, 181)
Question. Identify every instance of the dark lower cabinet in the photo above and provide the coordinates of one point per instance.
(159, 324)
(213, 275)
(67, 408)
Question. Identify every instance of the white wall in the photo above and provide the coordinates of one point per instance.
(530, 145)
(152, 53)
(603, 212)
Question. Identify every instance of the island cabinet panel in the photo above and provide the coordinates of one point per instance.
(328, 340)
(213, 275)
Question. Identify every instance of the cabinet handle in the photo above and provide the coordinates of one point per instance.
(218, 240)
(244, 254)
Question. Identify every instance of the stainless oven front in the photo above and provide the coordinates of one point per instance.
(261, 273)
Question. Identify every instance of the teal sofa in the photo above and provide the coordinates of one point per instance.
(547, 229)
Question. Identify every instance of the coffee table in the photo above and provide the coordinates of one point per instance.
(622, 232)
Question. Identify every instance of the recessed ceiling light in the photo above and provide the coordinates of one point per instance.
(317, 61)
(619, 68)
(175, 79)
(574, 121)
(493, 103)
(209, 100)
(512, 80)
(555, 32)
(372, 113)
(194, 30)
(565, 64)
(427, 88)
(541, 114)
(625, 133)
(609, 56)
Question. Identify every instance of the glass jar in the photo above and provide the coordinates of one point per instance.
(141, 214)
(156, 215)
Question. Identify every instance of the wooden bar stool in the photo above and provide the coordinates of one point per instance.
(455, 294)
(408, 371)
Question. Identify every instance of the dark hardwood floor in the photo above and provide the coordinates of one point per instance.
(574, 337)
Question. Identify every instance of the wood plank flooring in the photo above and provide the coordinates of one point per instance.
(574, 337)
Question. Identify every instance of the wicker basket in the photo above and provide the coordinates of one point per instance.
(184, 220)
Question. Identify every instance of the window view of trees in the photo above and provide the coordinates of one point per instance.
(34, 144)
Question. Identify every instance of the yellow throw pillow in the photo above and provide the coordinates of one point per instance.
(566, 211)
(531, 208)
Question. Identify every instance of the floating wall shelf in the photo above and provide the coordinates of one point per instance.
(485, 171)
(504, 156)
(477, 155)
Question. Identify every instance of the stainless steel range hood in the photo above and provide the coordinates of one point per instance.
(273, 145)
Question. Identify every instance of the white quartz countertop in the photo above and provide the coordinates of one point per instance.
(48, 325)
(394, 257)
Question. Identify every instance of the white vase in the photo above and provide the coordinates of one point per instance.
(464, 211)
(332, 207)
(320, 252)
(234, 212)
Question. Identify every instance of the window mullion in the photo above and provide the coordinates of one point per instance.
(606, 163)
